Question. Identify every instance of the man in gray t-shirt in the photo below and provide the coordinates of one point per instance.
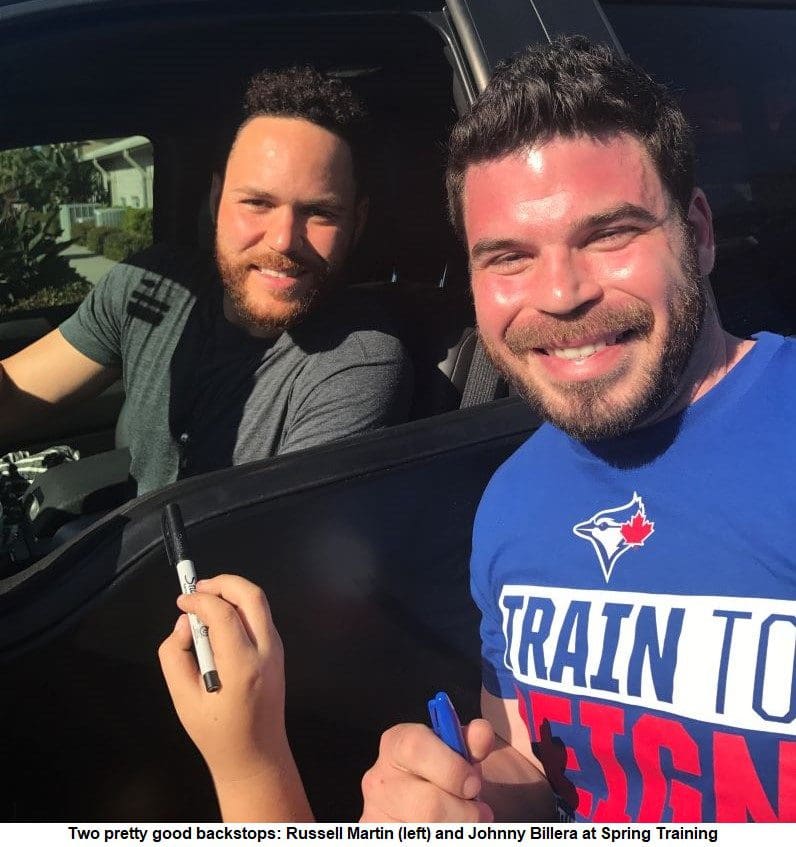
(262, 351)
(202, 393)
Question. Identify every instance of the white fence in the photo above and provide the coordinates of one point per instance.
(72, 213)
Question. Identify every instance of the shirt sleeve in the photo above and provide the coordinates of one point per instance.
(495, 676)
(363, 385)
(95, 329)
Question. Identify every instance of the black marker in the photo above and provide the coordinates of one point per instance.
(177, 551)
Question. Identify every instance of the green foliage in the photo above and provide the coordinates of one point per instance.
(34, 181)
(80, 231)
(30, 256)
(45, 176)
(95, 238)
(119, 245)
(53, 224)
(138, 221)
(50, 295)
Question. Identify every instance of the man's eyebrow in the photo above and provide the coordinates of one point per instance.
(493, 245)
(254, 191)
(625, 211)
(331, 201)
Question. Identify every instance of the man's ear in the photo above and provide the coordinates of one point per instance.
(700, 219)
(360, 217)
(216, 184)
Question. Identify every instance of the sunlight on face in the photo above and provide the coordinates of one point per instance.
(287, 219)
(587, 284)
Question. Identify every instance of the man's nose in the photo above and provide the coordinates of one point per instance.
(284, 230)
(561, 283)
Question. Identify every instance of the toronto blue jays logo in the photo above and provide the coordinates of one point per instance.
(612, 532)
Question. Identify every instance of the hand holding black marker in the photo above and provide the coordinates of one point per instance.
(177, 551)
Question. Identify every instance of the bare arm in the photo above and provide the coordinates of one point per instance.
(239, 729)
(514, 784)
(45, 374)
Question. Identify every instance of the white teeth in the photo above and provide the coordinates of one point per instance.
(581, 352)
(277, 274)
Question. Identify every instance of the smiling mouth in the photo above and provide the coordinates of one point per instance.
(291, 273)
(583, 351)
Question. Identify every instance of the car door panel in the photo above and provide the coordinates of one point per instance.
(362, 549)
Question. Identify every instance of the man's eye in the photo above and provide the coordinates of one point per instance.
(257, 203)
(509, 262)
(322, 213)
(616, 237)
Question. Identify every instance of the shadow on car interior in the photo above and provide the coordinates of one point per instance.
(369, 588)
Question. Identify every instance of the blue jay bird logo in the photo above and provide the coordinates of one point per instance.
(612, 532)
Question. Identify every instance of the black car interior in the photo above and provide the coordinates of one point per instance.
(180, 84)
(362, 550)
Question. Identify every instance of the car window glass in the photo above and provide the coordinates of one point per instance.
(68, 213)
(733, 72)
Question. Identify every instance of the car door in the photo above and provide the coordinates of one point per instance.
(362, 551)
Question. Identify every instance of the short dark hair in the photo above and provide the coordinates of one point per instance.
(571, 87)
(303, 92)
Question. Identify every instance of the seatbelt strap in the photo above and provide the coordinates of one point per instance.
(484, 383)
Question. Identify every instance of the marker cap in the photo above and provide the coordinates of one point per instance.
(445, 723)
(212, 682)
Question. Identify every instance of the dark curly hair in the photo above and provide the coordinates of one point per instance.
(323, 100)
(571, 87)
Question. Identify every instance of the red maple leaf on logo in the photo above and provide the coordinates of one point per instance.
(637, 529)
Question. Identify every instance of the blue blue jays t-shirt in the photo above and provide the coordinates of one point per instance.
(639, 601)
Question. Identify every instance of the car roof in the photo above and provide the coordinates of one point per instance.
(10, 9)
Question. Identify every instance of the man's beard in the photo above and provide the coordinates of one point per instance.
(235, 273)
(584, 409)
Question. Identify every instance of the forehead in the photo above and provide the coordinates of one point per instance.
(560, 182)
(268, 148)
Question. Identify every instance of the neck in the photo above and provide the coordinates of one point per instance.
(255, 330)
(715, 354)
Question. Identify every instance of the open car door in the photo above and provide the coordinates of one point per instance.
(362, 548)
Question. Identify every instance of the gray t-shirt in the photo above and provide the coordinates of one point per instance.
(233, 398)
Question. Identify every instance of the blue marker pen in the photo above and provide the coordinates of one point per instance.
(445, 723)
(177, 551)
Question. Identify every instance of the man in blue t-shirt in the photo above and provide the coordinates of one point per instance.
(634, 560)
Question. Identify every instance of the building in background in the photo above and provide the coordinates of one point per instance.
(127, 169)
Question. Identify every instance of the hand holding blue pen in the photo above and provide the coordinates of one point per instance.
(414, 779)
